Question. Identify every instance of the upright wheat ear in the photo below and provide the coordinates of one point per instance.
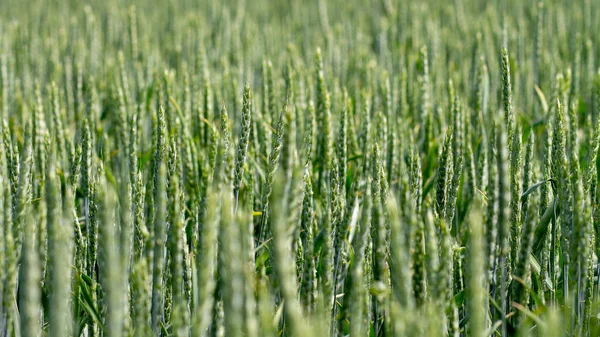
(356, 287)
(400, 258)
(158, 265)
(443, 174)
(509, 118)
(516, 189)
(323, 114)
(476, 277)
(21, 203)
(60, 240)
(308, 283)
(242, 148)
(175, 244)
(272, 166)
(109, 264)
(227, 162)
(282, 257)
(206, 266)
(29, 299)
(503, 221)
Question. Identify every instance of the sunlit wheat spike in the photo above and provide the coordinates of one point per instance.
(231, 268)
(109, 265)
(476, 290)
(206, 265)
(60, 240)
(23, 192)
(29, 298)
(509, 118)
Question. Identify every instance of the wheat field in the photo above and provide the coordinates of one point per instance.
(362, 168)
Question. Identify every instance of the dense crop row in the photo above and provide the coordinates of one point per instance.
(299, 168)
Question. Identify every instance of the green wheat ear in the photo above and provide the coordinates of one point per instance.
(21, 202)
(225, 134)
(342, 142)
(443, 175)
(206, 265)
(231, 268)
(158, 264)
(60, 244)
(282, 258)
(356, 278)
(509, 118)
(109, 265)
(308, 281)
(560, 170)
(140, 286)
(399, 258)
(272, 166)
(29, 298)
(521, 269)
(418, 256)
(323, 119)
(516, 189)
(242, 148)
(503, 219)
(476, 289)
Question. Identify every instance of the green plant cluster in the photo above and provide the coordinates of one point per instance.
(299, 168)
